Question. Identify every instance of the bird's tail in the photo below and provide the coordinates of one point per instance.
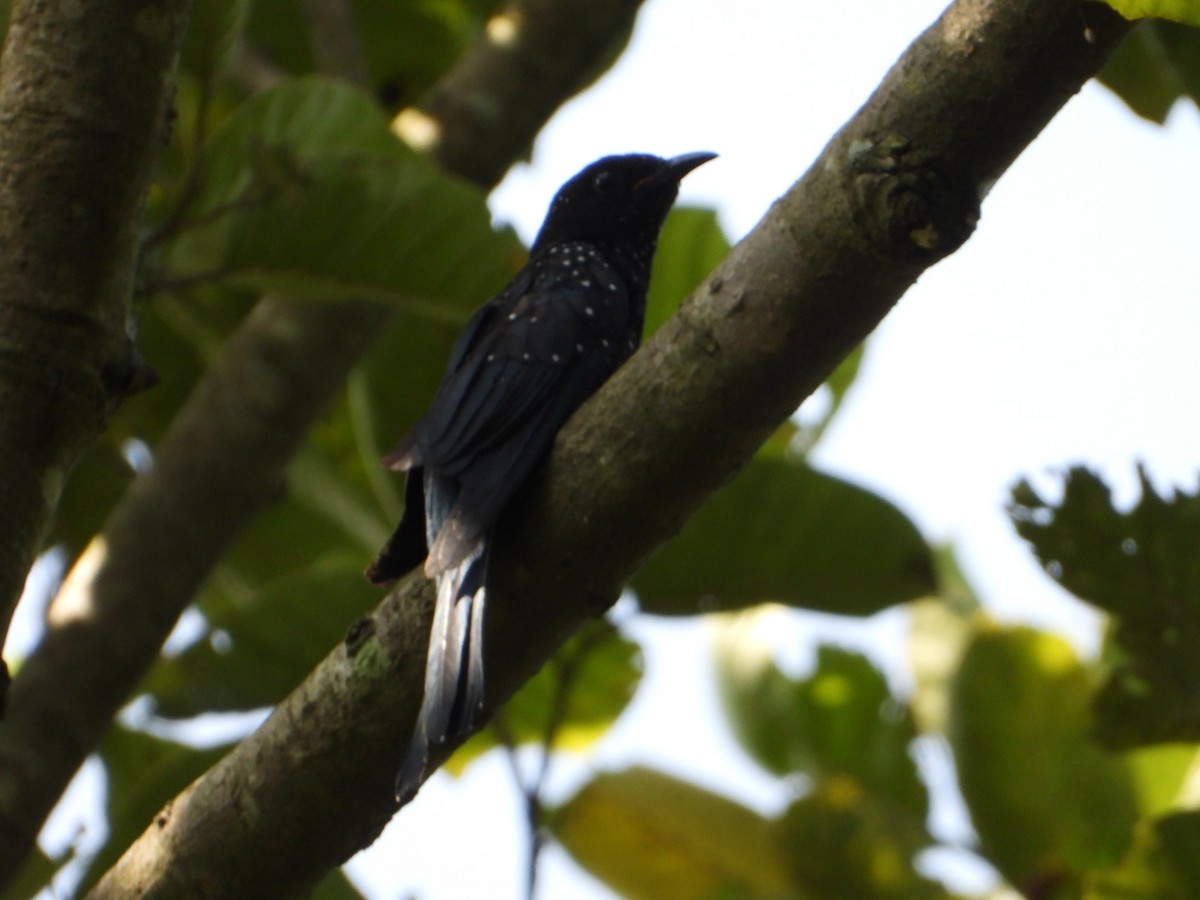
(453, 668)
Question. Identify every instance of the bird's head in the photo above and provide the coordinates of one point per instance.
(617, 200)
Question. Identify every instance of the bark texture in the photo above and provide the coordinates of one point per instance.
(80, 133)
(895, 191)
(223, 459)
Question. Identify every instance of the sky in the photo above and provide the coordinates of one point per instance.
(1063, 332)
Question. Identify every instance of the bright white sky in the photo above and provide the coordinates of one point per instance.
(1064, 331)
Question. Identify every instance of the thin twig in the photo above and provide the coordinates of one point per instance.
(567, 666)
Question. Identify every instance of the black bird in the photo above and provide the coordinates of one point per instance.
(526, 360)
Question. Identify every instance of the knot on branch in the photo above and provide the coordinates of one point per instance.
(914, 203)
(126, 375)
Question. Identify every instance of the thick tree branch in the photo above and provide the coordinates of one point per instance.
(514, 79)
(222, 461)
(80, 134)
(896, 190)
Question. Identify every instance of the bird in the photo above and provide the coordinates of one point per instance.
(525, 361)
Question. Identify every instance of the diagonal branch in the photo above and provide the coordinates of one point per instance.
(896, 190)
(222, 461)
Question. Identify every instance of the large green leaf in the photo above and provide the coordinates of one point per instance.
(839, 724)
(309, 193)
(594, 676)
(1177, 10)
(840, 842)
(781, 531)
(262, 646)
(648, 835)
(1143, 568)
(1156, 65)
(1048, 804)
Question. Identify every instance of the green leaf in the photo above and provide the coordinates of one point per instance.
(1048, 803)
(310, 194)
(1186, 11)
(839, 724)
(831, 394)
(781, 531)
(1156, 65)
(840, 843)
(264, 644)
(96, 483)
(1141, 567)
(939, 629)
(1163, 864)
(144, 772)
(213, 31)
(690, 246)
(336, 886)
(407, 45)
(599, 669)
(648, 835)
(35, 876)
(1162, 776)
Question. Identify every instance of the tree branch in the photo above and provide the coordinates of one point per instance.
(80, 134)
(336, 43)
(526, 65)
(896, 190)
(222, 461)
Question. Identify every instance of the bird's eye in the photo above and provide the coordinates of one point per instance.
(604, 183)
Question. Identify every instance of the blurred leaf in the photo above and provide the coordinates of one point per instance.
(212, 33)
(310, 194)
(1158, 63)
(266, 644)
(781, 531)
(336, 886)
(690, 246)
(1163, 864)
(35, 875)
(839, 724)
(1048, 804)
(648, 835)
(407, 45)
(839, 844)
(179, 339)
(94, 486)
(144, 772)
(826, 400)
(602, 670)
(1162, 776)
(1178, 10)
(1143, 568)
(940, 628)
